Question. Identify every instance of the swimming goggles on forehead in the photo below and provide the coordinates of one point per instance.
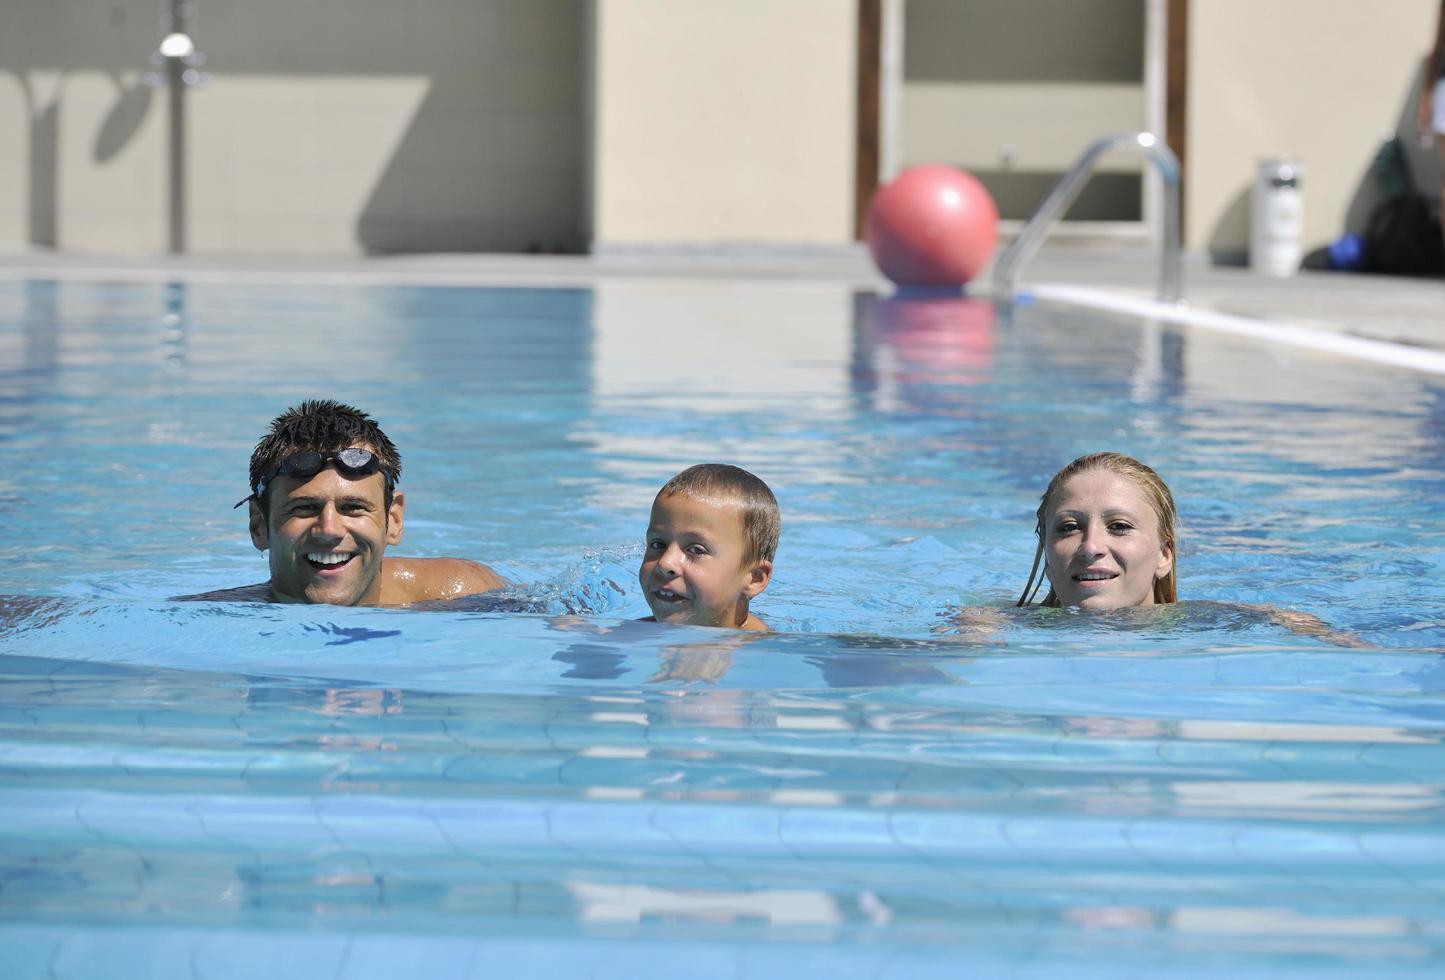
(352, 463)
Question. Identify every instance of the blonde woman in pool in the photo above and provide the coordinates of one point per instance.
(1106, 529)
(1108, 539)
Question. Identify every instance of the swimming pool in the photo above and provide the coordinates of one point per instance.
(221, 790)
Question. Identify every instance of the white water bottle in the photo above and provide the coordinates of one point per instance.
(1275, 218)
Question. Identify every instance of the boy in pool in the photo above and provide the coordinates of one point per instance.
(324, 503)
(710, 545)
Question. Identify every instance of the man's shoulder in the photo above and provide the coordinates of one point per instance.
(404, 581)
(260, 592)
(407, 580)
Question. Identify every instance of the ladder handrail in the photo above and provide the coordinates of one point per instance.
(1031, 236)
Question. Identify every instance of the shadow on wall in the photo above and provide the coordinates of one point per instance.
(493, 159)
(43, 48)
(1229, 239)
(119, 127)
(464, 179)
(44, 183)
(124, 119)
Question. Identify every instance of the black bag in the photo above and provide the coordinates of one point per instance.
(1403, 238)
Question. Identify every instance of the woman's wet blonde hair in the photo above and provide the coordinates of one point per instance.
(1155, 491)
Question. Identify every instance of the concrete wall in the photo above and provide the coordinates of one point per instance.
(1013, 90)
(80, 143)
(348, 125)
(1324, 80)
(328, 126)
(723, 122)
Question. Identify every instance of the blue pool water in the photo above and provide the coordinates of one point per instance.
(542, 786)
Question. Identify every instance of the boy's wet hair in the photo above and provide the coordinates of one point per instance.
(1155, 490)
(321, 424)
(719, 483)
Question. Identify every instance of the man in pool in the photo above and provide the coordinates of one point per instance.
(324, 504)
(710, 546)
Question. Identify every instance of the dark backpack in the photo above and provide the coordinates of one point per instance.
(1403, 238)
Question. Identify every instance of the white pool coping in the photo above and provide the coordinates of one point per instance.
(1323, 338)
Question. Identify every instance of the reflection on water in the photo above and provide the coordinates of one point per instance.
(175, 327)
(28, 358)
(915, 342)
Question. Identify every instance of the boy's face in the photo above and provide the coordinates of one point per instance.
(693, 571)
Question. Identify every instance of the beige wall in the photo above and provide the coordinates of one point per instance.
(14, 154)
(105, 188)
(351, 125)
(1323, 80)
(289, 163)
(328, 126)
(723, 122)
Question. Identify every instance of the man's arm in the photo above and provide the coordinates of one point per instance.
(406, 580)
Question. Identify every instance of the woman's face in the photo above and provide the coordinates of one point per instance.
(1101, 543)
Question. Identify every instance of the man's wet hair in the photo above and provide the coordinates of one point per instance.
(722, 484)
(321, 424)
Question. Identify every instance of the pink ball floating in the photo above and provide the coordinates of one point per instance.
(932, 226)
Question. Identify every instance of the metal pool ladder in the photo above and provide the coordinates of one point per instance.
(1026, 245)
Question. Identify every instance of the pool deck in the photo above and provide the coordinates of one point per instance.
(1390, 310)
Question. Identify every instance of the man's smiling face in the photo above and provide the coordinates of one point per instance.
(326, 535)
